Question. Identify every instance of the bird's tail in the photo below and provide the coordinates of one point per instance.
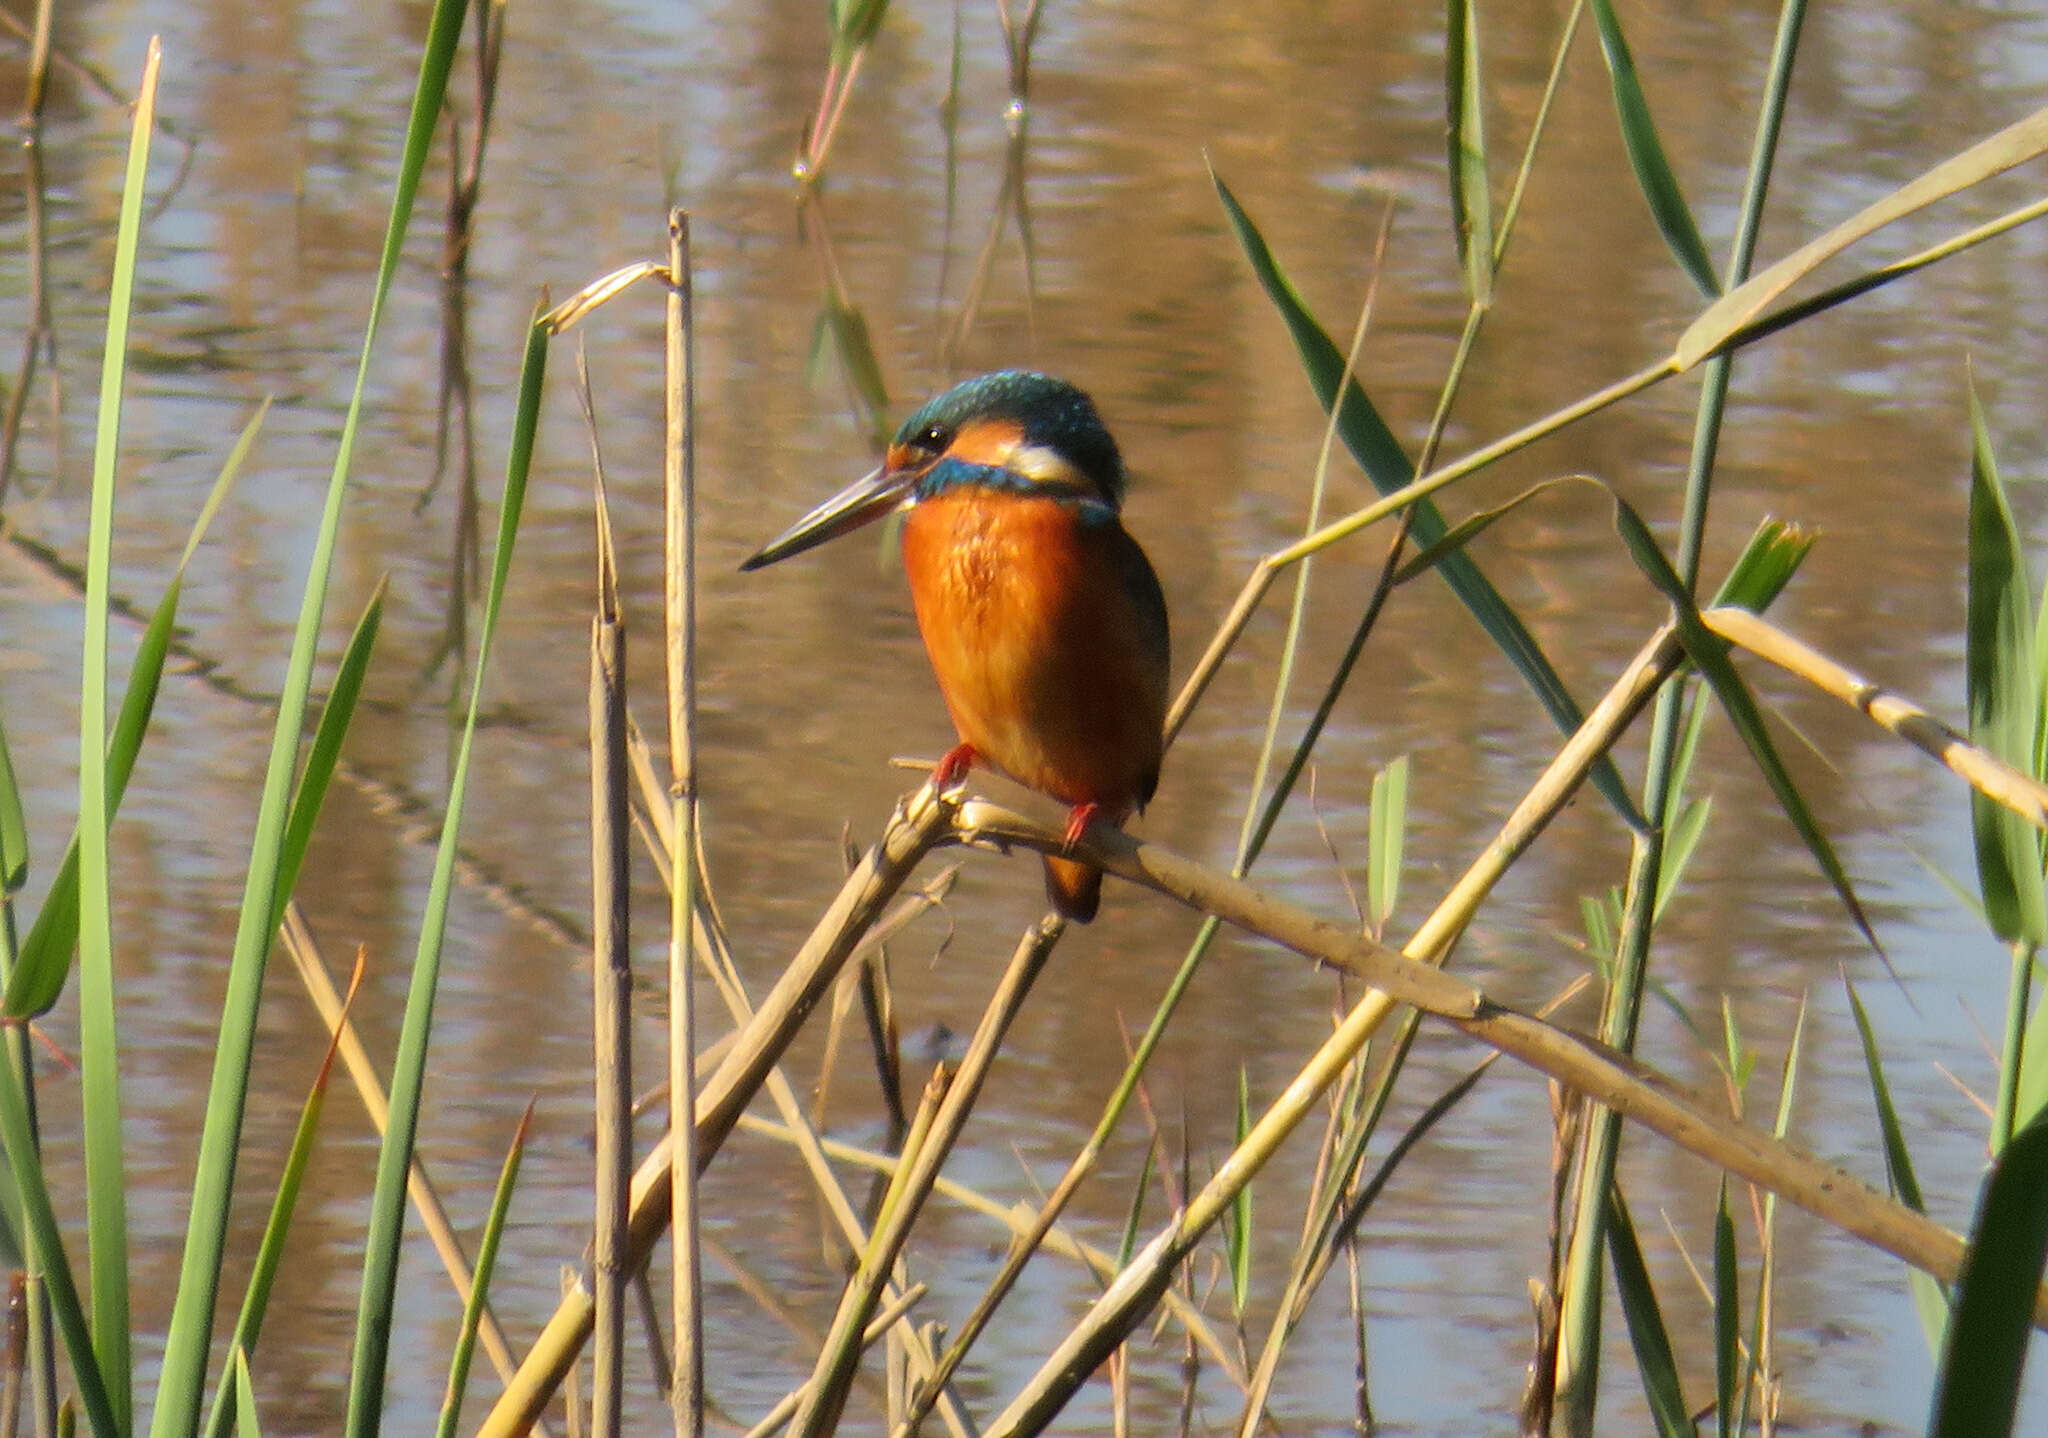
(1075, 889)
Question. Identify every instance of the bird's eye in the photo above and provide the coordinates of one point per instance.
(933, 439)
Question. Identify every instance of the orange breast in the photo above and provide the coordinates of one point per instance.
(1050, 648)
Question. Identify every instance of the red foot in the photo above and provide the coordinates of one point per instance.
(952, 769)
(1078, 820)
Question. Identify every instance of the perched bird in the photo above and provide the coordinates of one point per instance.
(1043, 619)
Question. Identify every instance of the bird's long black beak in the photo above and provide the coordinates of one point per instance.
(866, 499)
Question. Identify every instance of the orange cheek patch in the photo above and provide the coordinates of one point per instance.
(987, 441)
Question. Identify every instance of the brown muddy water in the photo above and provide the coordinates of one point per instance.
(254, 282)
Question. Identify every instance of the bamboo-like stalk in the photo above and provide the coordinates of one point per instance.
(824, 1396)
(611, 994)
(679, 568)
(714, 954)
(919, 823)
(304, 952)
(1985, 772)
(914, 1179)
(1579, 1325)
(1608, 1077)
(777, 1418)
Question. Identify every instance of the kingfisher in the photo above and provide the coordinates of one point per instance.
(1043, 620)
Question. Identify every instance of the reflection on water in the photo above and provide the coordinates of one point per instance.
(1089, 244)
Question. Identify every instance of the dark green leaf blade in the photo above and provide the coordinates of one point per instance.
(1471, 198)
(1646, 1329)
(1366, 435)
(1766, 565)
(326, 749)
(1709, 652)
(1646, 155)
(1727, 1317)
(13, 826)
(480, 1281)
(2004, 696)
(1928, 1299)
(1978, 1389)
(408, 1076)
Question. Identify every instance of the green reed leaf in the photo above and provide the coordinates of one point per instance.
(181, 1383)
(13, 825)
(245, 1399)
(45, 956)
(408, 1077)
(270, 1248)
(480, 1280)
(1237, 1227)
(1727, 1317)
(1766, 565)
(2004, 689)
(106, 1188)
(1471, 196)
(1720, 321)
(1380, 455)
(1978, 1388)
(1646, 154)
(1928, 1299)
(1387, 829)
(321, 758)
(1709, 652)
(1646, 1327)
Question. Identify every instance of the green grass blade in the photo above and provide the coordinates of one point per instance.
(2014, 145)
(1978, 1389)
(2030, 1095)
(1679, 845)
(45, 957)
(1386, 833)
(480, 1280)
(1727, 1317)
(183, 1374)
(1472, 526)
(1646, 1329)
(1646, 154)
(394, 1156)
(1373, 445)
(1471, 195)
(326, 749)
(245, 1399)
(17, 1138)
(1710, 653)
(2004, 696)
(270, 1250)
(854, 25)
(1237, 1228)
(1128, 1243)
(1599, 925)
(13, 826)
(1767, 563)
(1898, 1162)
(1928, 1300)
(106, 1189)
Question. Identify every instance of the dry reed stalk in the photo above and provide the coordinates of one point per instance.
(778, 1417)
(715, 956)
(679, 571)
(1609, 1078)
(312, 970)
(611, 994)
(1100, 1263)
(1986, 773)
(918, 824)
(916, 1174)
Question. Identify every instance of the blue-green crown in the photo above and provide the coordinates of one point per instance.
(1052, 413)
